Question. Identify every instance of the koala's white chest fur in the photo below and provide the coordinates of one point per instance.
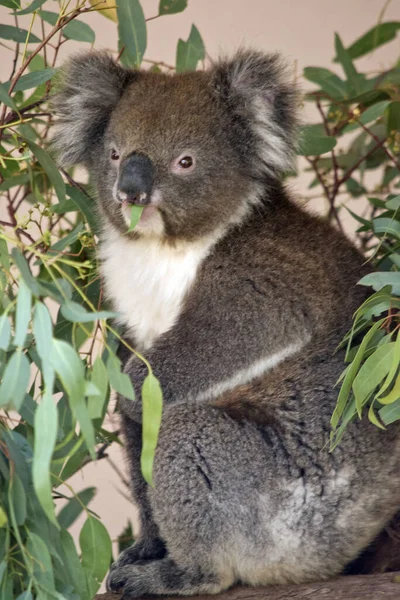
(147, 282)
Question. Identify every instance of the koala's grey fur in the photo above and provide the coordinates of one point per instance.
(238, 300)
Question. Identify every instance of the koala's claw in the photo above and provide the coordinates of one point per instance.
(142, 550)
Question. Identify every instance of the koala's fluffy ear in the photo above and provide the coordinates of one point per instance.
(256, 89)
(89, 88)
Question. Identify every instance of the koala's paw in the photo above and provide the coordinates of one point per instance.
(146, 549)
(157, 578)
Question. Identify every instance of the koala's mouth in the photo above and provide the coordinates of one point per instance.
(148, 212)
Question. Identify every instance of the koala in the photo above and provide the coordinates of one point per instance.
(238, 298)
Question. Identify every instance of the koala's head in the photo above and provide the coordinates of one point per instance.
(195, 149)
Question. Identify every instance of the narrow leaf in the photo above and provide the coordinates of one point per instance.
(372, 372)
(46, 426)
(353, 78)
(15, 381)
(16, 34)
(79, 31)
(69, 368)
(23, 313)
(314, 145)
(5, 332)
(136, 213)
(100, 380)
(7, 100)
(73, 509)
(32, 7)
(169, 7)
(375, 37)
(72, 311)
(151, 419)
(32, 80)
(189, 53)
(95, 545)
(49, 167)
(132, 29)
(379, 280)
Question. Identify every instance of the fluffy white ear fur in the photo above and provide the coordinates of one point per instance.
(258, 88)
(90, 85)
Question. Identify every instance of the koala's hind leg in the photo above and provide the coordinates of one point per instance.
(204, 482)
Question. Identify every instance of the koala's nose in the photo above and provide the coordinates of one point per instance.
(136, 178)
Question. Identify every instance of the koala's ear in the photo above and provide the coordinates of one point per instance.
(256, 89)
(88, 89)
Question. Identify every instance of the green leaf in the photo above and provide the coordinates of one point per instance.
(46, 427)
(69, 239)
(6, 99)
(136, 213)
(391, 413)
(100, 380)
(372, 372)
(353, 78)
(391, 375)
(5, 332)
(95, 545)
(314, 145)
(23, 313)
(170, 7)
(15, 381)
(71, 511)
(3, 520)
(151, 419)
(72, 311)
(14, 4)
(393, 203)
(132, 29)
(73, 565)
(375, 37)
(120, 382)
(387, 226)
(330, 83)
(85, 204)
(50, 168)
(393, 122)
(189, 53)
(49, 17)
(343, 397)
(43, 330)
(41, 561)
(69, 368)
(31, 8)
(32, 80)
(378, 280)
(18, 499)
(79, 31)
(372, 113)
(16, 34)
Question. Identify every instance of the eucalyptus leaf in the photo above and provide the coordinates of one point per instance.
(36, 4)
(314, 145)
(79, 31)
(5, 332)
(379, 280)
(46, 426)
(190, 52)
(15, 381)
(132, 29)
(136, 213)
(23, 313)
(375, 37)
(16, 34)
(169, 7)
(151, 423)
(7, 100)
(50, 168)
(73, 509)
(69, 368)
(95, 544)
(372, 373)
(32, 80)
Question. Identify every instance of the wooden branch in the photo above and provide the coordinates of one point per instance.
(360, 587)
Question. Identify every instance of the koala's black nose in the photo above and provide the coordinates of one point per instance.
(136, 178)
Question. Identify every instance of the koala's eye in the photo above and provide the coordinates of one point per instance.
(186, 162)
(114, 154)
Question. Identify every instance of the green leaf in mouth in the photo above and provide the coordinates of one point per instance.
(136, 213)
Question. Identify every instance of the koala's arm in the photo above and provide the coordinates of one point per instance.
(221, 340)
